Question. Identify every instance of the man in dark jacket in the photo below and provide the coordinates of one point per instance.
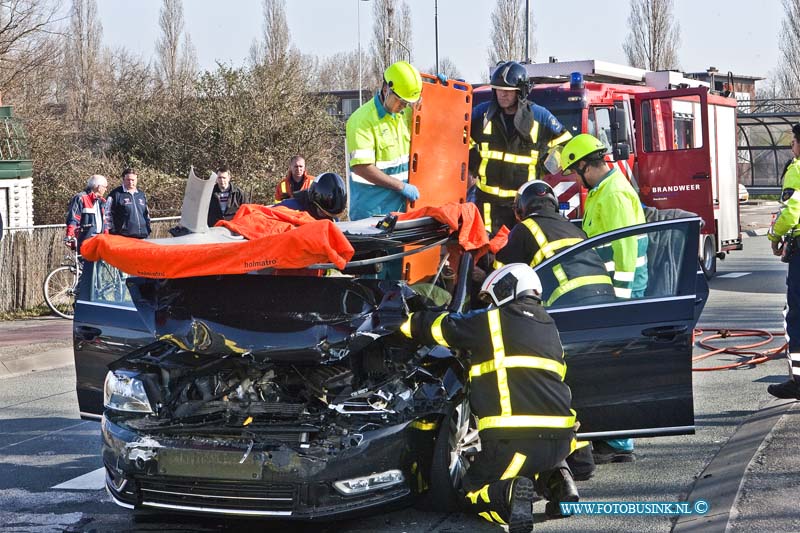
(226, 199)
(126, 212)
(86, 213)
(542, 233)
(510, 139)
(518, 393)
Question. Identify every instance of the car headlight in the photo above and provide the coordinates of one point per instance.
(122, 392)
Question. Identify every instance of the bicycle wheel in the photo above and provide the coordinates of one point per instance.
(59, 291)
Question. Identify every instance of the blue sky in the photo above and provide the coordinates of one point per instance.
(736, 35)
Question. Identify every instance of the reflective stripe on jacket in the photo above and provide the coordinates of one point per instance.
(787, 220)
(518, 369)
(613, 204)
(377, 137)
(541, 236)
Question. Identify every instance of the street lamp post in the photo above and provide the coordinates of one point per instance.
(360, 68)
(391, 40)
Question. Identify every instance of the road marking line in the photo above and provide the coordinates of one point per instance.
(733, 275)
(94, 480)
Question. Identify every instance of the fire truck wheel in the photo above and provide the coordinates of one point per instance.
(709, 256)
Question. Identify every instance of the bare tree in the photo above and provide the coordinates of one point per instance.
(508, 32)
(391, 35)
(27, 28)
(274, 47)
(653, 35)
(177, 63)
(446, 67)
(82, 56)
(339, 72)
(788, 72)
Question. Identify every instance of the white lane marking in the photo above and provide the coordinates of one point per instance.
(733, 275)
(94, 480)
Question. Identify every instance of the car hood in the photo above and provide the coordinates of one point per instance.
(303, 319)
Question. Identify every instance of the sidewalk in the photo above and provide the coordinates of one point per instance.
(34, 344)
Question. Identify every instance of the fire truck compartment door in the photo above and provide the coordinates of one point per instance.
(673, 151)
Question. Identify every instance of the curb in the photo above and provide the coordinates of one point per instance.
(755, 232)
(47, 360)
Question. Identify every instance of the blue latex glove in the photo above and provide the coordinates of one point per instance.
(442, 78)
(410, 192)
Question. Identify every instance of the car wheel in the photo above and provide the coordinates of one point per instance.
(456, 440)
(709, 257)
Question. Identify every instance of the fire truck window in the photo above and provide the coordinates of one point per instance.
(600, 125)
(671, 124)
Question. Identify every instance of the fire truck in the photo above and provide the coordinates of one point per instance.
(672, 138)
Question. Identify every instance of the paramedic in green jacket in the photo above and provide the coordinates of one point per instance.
(379, 142)
(611, 204)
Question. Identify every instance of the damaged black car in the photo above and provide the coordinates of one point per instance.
(294, 396)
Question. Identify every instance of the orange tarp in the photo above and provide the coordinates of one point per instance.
(500, 240)
(271, 245)
(462, 217)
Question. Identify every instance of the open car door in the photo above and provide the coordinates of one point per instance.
(673, 151)
(629, 360)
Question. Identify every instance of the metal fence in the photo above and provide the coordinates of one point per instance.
(27, 255)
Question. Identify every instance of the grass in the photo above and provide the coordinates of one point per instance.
(772, 197)
(19, 314)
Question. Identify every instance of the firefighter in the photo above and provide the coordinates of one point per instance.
(611, 204)
(510, 138)
(325, 198)
(784, 235)
(542, 232)
(379, 141)
(518, 393)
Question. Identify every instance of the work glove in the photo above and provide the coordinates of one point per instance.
(410, 192)
(442, 78)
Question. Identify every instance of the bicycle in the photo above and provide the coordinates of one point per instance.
(61, 286)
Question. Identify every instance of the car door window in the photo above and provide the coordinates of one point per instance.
(591, 264)
(108, 285)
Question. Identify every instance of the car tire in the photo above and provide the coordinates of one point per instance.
(456, 438)
(708, 258)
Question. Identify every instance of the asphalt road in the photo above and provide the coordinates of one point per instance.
(43, 443)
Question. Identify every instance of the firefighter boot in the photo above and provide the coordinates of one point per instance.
(506, 502)
(560, 487)
(787, 390)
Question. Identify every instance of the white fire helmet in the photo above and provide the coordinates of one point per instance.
(508, 282)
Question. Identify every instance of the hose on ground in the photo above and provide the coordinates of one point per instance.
(753, 357)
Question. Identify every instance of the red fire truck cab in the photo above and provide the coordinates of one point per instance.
(674, 140)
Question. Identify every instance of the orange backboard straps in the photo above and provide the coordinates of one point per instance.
(438, 158)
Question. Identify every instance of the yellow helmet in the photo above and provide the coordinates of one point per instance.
(580, 147)
(404, 80)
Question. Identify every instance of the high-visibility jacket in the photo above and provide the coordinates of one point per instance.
(787, 221)
(504, 158)
(286, 188)
(613, 204)
(377, 137)
(517, 366)
(540, 236)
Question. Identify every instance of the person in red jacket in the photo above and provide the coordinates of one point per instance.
(86, 212)
(297, 179)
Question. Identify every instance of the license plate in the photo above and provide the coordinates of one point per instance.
(209, 464)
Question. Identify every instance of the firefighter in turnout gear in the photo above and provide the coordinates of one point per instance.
(517, 391)
(510, 139)
(543, 232)
(784, 236)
